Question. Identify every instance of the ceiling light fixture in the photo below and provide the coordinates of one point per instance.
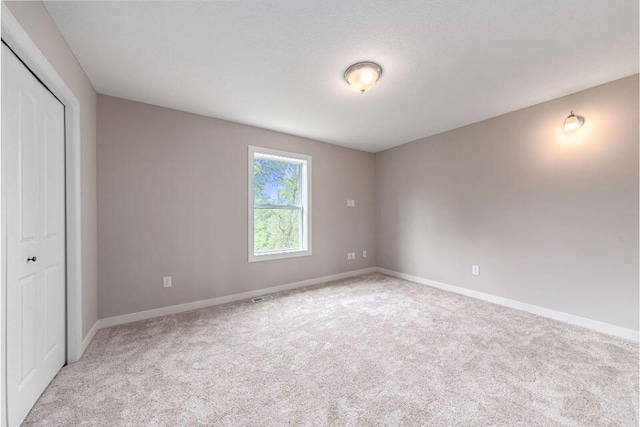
(573, 122)
(363, 75)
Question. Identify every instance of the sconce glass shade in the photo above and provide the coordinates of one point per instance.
(573, 122)
(363, 75)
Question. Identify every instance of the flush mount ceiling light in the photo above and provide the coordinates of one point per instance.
(573, 122)
(363, 75)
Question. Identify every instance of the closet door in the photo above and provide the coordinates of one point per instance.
(33, 155)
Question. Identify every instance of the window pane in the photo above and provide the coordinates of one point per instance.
(276, 183)
(277, 229)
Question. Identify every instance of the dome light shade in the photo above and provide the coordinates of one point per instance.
(363, 75)
(573, 122)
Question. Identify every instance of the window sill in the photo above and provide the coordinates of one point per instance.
(269, 256)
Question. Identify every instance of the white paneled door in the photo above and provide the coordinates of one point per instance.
(34, 157)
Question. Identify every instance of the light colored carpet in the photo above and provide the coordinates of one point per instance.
(370, 350)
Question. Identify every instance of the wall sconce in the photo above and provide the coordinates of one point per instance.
(573, 122)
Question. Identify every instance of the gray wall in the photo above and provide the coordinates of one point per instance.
(35, 20)
(551, 218)
(172, 200)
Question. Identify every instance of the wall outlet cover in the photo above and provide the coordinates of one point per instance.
(475, 270)
(166, 282)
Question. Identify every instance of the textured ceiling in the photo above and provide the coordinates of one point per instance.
(279, 64)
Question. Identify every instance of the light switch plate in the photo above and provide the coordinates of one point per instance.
(166, 282)
(475, 270)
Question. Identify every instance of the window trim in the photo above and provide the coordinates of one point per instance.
(305, 198)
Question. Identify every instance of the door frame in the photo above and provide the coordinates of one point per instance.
(17, 39)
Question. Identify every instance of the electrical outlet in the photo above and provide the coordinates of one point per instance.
(166, 282)
(475, 270)
(364, 254)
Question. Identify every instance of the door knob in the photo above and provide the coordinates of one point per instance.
(34, 259)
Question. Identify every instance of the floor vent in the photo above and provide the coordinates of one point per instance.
(262, 298)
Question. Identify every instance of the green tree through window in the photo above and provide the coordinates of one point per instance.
(277, 205)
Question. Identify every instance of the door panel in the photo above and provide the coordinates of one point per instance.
(28, 327)
(52, 312)
(33, 152)
(52, 162)
(28, 164)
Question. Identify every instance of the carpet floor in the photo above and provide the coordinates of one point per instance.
(369, 350)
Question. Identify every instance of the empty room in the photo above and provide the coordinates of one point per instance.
(320, 213)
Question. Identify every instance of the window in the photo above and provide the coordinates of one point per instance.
(279, 204)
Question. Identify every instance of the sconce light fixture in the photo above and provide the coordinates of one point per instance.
(573, 122)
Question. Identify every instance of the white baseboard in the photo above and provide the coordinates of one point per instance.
(92, 333)
(584, 322)
(180, 308)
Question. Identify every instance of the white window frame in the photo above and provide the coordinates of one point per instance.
(305, 198)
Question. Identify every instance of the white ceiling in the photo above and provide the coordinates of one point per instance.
(279, 64)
